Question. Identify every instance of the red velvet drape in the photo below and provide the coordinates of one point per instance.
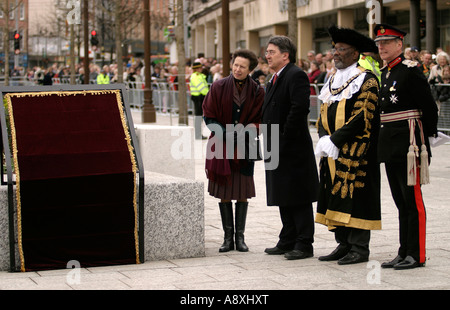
(75, 179)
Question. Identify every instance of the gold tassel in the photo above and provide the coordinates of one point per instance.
(424, 172)
(411, 166)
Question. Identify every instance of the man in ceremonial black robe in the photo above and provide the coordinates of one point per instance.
(349, 197)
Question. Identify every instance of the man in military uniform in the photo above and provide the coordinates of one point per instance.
(349, 195)
(408, 117)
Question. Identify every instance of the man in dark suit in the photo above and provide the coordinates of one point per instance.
(293, 183)
(408, 117)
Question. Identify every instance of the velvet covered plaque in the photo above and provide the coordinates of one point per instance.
(75, 179)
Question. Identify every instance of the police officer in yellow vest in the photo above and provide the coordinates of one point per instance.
(103, 77)
(199, 88)
(367, 61)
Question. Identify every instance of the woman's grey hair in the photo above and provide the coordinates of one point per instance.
(285, 45)
(443, 54)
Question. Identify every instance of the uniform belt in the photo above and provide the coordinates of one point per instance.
(400, 116)
(414, 159)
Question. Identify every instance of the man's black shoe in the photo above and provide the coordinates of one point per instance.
(297, 254)
(393, 262)
(338, 253)
(408, 263)
(352, 258)
(275, 251)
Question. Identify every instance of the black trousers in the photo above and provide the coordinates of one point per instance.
(297, 232)
(198, 113)
(353, 239)
(411, 211)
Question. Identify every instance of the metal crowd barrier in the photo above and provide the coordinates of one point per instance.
(165, 97)
(314, 104)
(444, 107)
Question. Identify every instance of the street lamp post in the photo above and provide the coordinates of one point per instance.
(148, 110)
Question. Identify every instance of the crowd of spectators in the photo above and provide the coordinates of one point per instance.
(105, 74)
(319, 66)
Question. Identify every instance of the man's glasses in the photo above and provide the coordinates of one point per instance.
(340, 49)
(271, 52)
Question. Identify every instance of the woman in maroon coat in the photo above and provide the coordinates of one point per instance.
(232, 111)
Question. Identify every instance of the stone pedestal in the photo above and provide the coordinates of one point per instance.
(167, 149)
(174, 217)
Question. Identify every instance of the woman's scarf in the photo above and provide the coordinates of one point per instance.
(218, 105)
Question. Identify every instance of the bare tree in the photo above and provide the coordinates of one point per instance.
(116, 19)
(182, 89)
(292, 21)
(118, 41)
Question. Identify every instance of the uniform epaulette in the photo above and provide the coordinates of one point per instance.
(410, 63)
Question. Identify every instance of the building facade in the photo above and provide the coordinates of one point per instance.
(253, 22)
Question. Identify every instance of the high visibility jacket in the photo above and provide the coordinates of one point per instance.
(371, 64)
(198, 84)
(102, 78)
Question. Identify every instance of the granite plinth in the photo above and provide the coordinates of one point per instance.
(167, 149)
(174, 217)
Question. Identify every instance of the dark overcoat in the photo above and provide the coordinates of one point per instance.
(295, 180)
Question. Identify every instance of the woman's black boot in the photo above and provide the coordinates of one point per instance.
(241, 216)
(226, 213)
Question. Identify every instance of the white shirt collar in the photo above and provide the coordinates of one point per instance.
(340, 78)
(278, 73)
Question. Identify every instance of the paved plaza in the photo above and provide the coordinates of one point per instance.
(256, 270)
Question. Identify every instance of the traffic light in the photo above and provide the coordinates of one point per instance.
(17, 38)
(94, 40)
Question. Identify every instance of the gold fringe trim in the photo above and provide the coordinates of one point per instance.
(333, 218)
(62, 93)
(17, 171)
(134, 168)
(16, 163)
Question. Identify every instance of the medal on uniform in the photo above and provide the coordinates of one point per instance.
(393, 86)
(393, 98)
(389, 73)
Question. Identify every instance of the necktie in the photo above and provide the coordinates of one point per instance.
(274, 78)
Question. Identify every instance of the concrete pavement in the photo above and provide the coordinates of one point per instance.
(256, 270)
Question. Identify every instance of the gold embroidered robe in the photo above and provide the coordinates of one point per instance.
(349, 192)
